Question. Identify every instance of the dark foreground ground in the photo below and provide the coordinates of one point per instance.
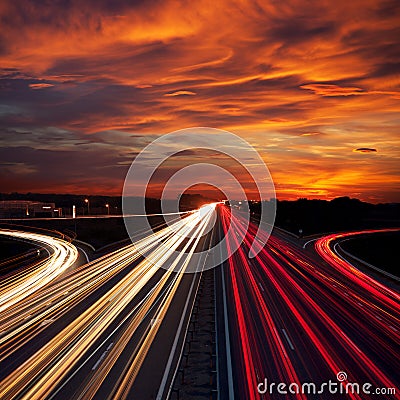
(380, 250)
(11, 248)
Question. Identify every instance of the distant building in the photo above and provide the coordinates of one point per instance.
(28, 209)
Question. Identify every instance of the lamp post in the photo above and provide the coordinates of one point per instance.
(108, 209)
(88, 209)
(74, 216)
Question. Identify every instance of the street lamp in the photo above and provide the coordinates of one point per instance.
(88, 209)
(108, 209)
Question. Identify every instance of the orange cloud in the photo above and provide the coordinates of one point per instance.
(180, 93)
(36, 86)
(335, 90)
(310, 134)
(304, 82)
(332, 90)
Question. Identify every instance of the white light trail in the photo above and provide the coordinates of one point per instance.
(21, 285)
(40, 375)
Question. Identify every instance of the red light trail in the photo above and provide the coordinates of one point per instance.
(326, 303)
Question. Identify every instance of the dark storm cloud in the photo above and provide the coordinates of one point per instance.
(365, 150)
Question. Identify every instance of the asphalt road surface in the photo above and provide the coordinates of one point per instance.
(114, 328)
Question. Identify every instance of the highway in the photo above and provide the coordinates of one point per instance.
(114, 306)
(299, 317)
(114, 328)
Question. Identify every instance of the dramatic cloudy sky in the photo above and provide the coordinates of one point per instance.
(312, 85)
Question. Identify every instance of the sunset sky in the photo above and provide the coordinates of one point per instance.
(312, 85)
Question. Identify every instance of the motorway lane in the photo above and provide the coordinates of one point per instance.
(52, 306)
(157, 370)
(224, 313)
(152, 380)
(151, 372)
(42, 373)
(299, 320)
(84, 379)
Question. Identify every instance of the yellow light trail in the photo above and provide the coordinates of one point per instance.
(21, 285)
(133, 366)
(40, 375)
(123, 387)
(19, 323)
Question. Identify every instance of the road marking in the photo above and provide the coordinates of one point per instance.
(85, 243)
(288, 340)
(109, 346)
(175, 344)
(309, 241)
(261, 286)
(231, 393)
(84, 253)
(99, 360)
(392, 328)
(381, 271)
(102, 356)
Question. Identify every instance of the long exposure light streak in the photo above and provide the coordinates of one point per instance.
(296, 316)
(39, 375)
(313, 295)
(123, 387)
(23, 320)
(380, 292)
(19, 286)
